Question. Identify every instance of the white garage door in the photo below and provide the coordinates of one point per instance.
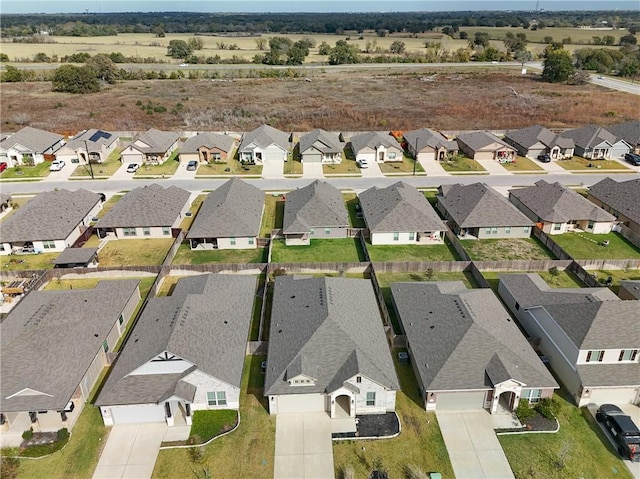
(460, 401)
(614, 396)
(137, 414)
(619, 151)
(301, 403)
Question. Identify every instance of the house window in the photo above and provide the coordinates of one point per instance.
(494, 230)
(487, 231)
(517, 306)
(146, 231)
(371, 398)
(232, 241)
(166, 230)
(216, 398)
(358, 379)
(595, 356)
(216, 156)
(507, 230)
(251, 241)
(48, 244)
(590, 225)
(412, 236)
(396, 236)
(129, 231)
(105, 346)
(327, 231)
(628, 355)
(557, 226)
(312, 232)
(1, 247)
(120, 319)
(532, 395)
(526, 230)
(392, 155)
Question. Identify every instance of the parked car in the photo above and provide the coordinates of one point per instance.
(633, 158)
(3, 166)
(362, 163)
(57, 165)
(544, 157)
(192, 165)
(623, 430)
(132, 167)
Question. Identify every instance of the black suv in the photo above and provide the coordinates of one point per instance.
(622, 429)
(544, 157)
(632, 158)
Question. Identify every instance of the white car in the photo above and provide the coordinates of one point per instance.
(132, 167)
(362, 163)
(57, 165)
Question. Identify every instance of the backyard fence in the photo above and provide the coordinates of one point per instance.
(630, 235)
(546, 240)
(457, 246)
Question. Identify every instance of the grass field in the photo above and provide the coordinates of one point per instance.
(27, 261)
(319, 251)
(564, 279)
(107, 168)
(167, 168)
(506, 249)
(232, 167)
(578, 163)
(40, 170)
(346, 167)
(587, 246)
(351, 200)
(273, 214)
(435, 252)
(617, 276)
(462, 164)
(522, 164)
(193, 209)
(186, 256)
(138, 252)
(107, 205)
(293, 167)
(406, 166)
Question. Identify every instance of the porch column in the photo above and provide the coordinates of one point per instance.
(168, 414)
(187, 410)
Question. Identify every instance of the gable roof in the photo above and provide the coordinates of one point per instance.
(263, 136)
(76, 256)
(631, 287)
(554, 203)
(208, 140)
(464, 338)
(93, 139)
(233, 210)
(425, 137)
(589, 136)
(374, 140)
(529, 136)
(398, 207)
(52, 215)
(478, 205)
(50, 339)
(628, 131)
(157, 141)
(150, 205)
(205, 321)
(338, 336)
(621, 196)
(34, 139)
(318, 204)
(329, 142)
(478, 140)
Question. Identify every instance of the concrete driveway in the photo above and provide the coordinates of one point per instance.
(472, 444)
(273, 169)
(303, 447)
(493, 167)
(131, 451)
(312, 170)
(372, 170)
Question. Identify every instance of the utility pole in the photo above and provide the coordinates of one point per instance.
(415, 157)
(89, 159)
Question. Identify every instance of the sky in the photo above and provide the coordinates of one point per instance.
(213, 6)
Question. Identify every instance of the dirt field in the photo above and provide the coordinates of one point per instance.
(357, 100)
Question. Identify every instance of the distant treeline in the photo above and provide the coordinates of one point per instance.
(186, 22)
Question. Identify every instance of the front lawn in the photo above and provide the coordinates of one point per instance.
(352, 201)
(27, 261)
(168, 168)
(346, 167)
(588, 246)
(186, 256)
(578, 449)
(106, 168)
(231, 168)
(522, 164)
(462, 164)
(578, 163)
(506, 249)
(346, 250)
(273, 214)
(134, 252)
(406, 166)
(41, 170)
(292, 167)
(562, 279)
(432, 252)
(212, 423)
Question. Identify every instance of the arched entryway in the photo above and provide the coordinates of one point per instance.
(343, 406)
(506, 402)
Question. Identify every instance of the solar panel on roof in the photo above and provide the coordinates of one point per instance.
(99, 134)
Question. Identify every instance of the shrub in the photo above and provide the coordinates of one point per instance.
(63, 434)
(547, 408)
(9, 467)
(28, 434)
(524, 411)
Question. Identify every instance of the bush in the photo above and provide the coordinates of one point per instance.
(547, 408)
(28, 434)
(524, 411)
(63, 434)
(9, 467)
(208, 424)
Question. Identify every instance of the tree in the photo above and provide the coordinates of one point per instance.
(579, 77)
(104, 67)
(73, 79)
(158, 31)
(178, 49)
(11, 74)
(557, 66)
(261, 44)
(523, 56)
(381, 32)
(481, 39)
(464, 35)
(628, 40)
(514, 43)
(4, 57)
(297, 53)
(195, 43)
(279, 46)
(448, 31)
(397, 47)
(344, 53)
(324, 48)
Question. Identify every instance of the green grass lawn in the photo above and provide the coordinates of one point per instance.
(319, 251)
(506, 249)
(193, 209)
(462, 164)
(435, 252)
(292, 167)
(346, 167)
(420, 443)
(351, 200)
(107, 205)
(186, 256)
(134, 252)
(617, 275)
(587, 246)
(564, 279)
(88, 283)
(522, 164)
(578, 163)
(247, 452)
(23, 262)
(208, 424)
(106, 168)
(273, 214)
(231, 167)
(587, 452)
(405, 166)
(167, 168)
(41, 170)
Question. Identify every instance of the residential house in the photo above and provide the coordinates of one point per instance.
(145, 212)
(99, 143)
(536, 140)
(28, 147)
(207, 147)
(595, 143)
(400, 214)
(466, 352)
(153, 147)
(375, 146)
(430, 145)
(50, 222)
(478, 211)
(629, 290)
(319, 146)
(186, 353)
(264, 144)
(484, 145)
(5, 202)
(621, 199)
(314, 212)
(77, 258)
(327, 349)
(229, 218)
(629, 131)
(55, 346)
(590, 337)
(557, 209)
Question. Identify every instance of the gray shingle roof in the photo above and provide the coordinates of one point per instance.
(314, 206)
(205, 322)
(478, 205)
(478, 140)
(628, 131)
(328, 142)
(594, 375)
(632, 287)
(33, 139)
(589, 136)
(339, 335)
(76, 256)
(263, 136)
(623, 196)
(233, 210)
(555, 203)
(529, 136)
(459, 336)
(373, 139)
(426, 137)
(94, 138)
(157, 141)
(50, 339)
(51, 215)
(398, 207)
(208, 140)
(150, 205)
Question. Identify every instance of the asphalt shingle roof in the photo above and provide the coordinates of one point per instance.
(33, 139)
(75, 256)
(316, 205)
(555, 203)
(426, 137)
(157, 141)
(464, 338)
(398, 207)
(205, 322)
(632, 287)
(149, 206)
(589, 136)
(263, 136)
(478, 205)
(339, 335)
(529, 136)
(373, 139)
(94, 139)
(50, 339)
(52, 215)
(208, 140)
(478, 140)
(328, 142)
(615, 375)
(623, 196)
(628, 131)
(233, 210)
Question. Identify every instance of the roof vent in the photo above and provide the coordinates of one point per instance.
(96, 335)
